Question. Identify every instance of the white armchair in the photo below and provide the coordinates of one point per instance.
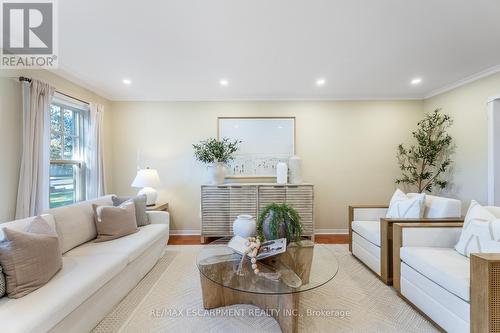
(370, 233)
(457, 293)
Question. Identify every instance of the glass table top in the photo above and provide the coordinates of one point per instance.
(303, 267)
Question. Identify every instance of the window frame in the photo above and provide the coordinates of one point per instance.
(81, 112)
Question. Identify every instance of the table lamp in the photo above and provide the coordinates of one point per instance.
(147, 179)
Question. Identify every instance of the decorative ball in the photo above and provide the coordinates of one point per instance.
(254, 266)
(253, 260)
(256, 271)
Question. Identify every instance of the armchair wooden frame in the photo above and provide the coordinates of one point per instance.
(484, 280)
(386, 237)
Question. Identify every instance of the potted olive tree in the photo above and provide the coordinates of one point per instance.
(216, 154)
(425, 164)
(279, 221)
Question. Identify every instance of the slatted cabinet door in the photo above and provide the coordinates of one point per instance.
(301, 198)
(269, 194)
(215, 211)
(221, 204)
(242, 200)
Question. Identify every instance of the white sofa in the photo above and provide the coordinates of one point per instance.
(434, 277)
(371, 232)
(94, 277)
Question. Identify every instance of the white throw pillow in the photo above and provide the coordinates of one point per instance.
(402, 206)
(480, 233)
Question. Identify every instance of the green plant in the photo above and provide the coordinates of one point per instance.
(215, 151)
(425, 163)
(279, 214)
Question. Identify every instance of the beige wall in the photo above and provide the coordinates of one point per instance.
(10, 145)
(11, 129)
(348, 149)
(467, 106)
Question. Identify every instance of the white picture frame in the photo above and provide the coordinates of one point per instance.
(266, 141)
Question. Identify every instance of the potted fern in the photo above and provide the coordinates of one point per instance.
(216, 154)
(279, 221)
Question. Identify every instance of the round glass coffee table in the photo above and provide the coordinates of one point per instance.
(301, 268)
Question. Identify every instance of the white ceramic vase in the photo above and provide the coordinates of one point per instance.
(216, 173)
(295, 170)
(244, 226)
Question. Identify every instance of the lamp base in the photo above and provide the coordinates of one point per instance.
(151, 195)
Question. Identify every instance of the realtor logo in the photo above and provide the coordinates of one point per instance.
(28, 34)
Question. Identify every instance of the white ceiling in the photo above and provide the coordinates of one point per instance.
(276, 49)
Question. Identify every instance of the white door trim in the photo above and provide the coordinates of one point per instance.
(494, 151)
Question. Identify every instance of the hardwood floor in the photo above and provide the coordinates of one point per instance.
(332, 239)
(184, 240)
(320, 239)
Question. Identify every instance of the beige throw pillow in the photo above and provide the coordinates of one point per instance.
(29, 259)
(115, 222)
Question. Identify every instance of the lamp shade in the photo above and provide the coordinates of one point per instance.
(146, 178)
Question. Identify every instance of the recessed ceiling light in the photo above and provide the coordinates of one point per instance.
(416, 81)
(320, 82)
(224, 82)
(127, 81)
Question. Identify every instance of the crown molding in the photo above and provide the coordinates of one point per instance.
(464, 81)
(68, 75)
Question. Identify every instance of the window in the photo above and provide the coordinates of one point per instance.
(67, 166)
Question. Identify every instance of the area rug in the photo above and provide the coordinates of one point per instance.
(168, 299)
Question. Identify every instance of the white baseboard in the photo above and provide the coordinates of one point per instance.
(331, 231)
(317, 232)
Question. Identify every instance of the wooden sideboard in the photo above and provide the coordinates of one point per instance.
(220, 204)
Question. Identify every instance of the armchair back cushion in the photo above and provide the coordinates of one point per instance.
(480, 232)
(440, 207)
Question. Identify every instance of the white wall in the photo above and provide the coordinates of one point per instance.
(468, 107)
(348, 149)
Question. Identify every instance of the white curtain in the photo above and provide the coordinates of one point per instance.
(33, 189)
(94, 154)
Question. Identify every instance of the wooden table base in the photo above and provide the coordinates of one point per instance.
(284, 308)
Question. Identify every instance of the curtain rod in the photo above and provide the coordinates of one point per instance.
(27, 79)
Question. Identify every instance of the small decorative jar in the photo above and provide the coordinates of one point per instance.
(281, 173)
(244, 226)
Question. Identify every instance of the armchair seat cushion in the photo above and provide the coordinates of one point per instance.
(444, 266)
(369, 230)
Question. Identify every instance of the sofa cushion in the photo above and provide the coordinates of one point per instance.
(131, 246)
(140, 207)
(444, 266)
(440, 207)
(3, 287)
(79, 278)
(75, 223)
(29, 259)
(403, 206)
(21, 225)
(370, 230)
